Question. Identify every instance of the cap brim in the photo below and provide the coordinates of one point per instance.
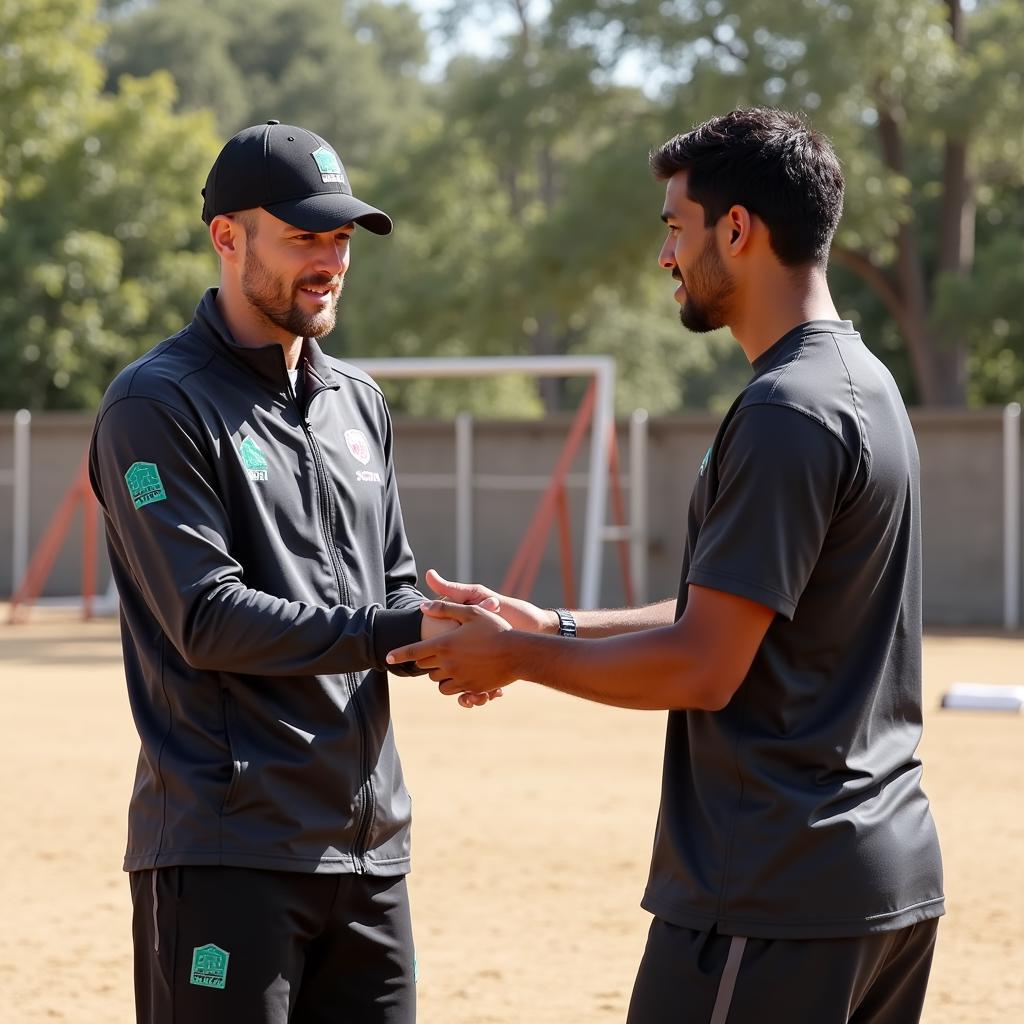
(329, 210)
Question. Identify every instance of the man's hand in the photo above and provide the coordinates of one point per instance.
(467, 660)
(435, 625)
(517, 613)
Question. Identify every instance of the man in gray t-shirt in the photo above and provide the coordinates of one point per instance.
(796, 873)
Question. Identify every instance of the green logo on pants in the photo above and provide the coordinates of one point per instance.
(209, 966)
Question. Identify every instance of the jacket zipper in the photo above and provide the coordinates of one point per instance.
(365, 793)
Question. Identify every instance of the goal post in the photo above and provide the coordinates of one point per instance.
(18, 478)
(601, 369)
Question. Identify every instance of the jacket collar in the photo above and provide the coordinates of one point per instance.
(266, 362)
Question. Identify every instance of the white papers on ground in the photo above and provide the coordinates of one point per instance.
(984, 697)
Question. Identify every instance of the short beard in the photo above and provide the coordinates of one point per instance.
(708, 290)
(268, 296)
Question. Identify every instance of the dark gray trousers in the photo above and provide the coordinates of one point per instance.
(691, 977)
(223, 945)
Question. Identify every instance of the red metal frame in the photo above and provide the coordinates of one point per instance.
(522, 573)
(41, 565)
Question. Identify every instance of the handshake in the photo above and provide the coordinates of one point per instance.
(467, 644)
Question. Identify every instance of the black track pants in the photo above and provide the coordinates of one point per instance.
(222, 945)
(691, 977)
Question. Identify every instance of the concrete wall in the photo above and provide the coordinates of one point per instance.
(962, 517)
(961, 478)
(59, 442)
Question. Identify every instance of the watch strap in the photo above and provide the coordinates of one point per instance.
(566, 622)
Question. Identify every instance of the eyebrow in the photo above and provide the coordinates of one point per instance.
(350, 228)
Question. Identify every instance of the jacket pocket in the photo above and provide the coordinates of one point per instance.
(237, 765)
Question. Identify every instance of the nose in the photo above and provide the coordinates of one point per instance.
(667, 256)
(333, 258)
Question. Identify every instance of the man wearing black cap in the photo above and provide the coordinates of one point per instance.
(256, 539)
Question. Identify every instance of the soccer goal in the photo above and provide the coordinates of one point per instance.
(596, 413)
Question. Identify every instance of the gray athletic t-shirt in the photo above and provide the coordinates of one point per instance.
(797, 810)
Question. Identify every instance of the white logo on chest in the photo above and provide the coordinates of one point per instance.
(358, 445)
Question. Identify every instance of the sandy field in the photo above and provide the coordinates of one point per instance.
(534, 820)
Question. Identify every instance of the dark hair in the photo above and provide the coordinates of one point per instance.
(771, 162)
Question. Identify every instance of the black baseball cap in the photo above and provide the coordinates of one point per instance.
(289, 172)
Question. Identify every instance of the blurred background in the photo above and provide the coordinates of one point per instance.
(508, 139)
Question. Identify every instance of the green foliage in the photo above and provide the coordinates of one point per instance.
(991, 319)
(849, 66)
(563, 147)
(101, 247)
(45, 71)
(527, 224)
(662, 367)
(526, 220)
(347, 72)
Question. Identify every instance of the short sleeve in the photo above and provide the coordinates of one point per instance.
(777, 476)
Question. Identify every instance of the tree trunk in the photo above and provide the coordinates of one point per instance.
(939, 362)
(955, 257)
(956, 237)
(912, 301)
(546, 341)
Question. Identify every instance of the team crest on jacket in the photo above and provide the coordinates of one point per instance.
(358, 445)
(253, 459)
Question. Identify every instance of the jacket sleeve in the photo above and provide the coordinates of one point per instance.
(153, 473)
(399, 564)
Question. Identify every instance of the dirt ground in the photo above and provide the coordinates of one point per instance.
(534, 821)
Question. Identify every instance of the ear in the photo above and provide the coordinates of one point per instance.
(227, 236)
(737, 229)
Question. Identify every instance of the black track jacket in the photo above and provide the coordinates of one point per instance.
(257, 545)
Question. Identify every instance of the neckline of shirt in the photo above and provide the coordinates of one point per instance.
(764, 360)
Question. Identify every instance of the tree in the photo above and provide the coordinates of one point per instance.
(526, 220)
(515, 192)
(349, 72)
(922, 100)
(511, 208)
(101, 243)
(45, 71)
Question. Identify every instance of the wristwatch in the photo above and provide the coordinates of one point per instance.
(566, 623)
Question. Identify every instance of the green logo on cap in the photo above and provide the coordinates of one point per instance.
(144, 483)
(209, 966)
(330, 166)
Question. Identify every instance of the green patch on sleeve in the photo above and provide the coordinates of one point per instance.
(144, 483)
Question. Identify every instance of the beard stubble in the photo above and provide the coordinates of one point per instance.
(269, 296)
